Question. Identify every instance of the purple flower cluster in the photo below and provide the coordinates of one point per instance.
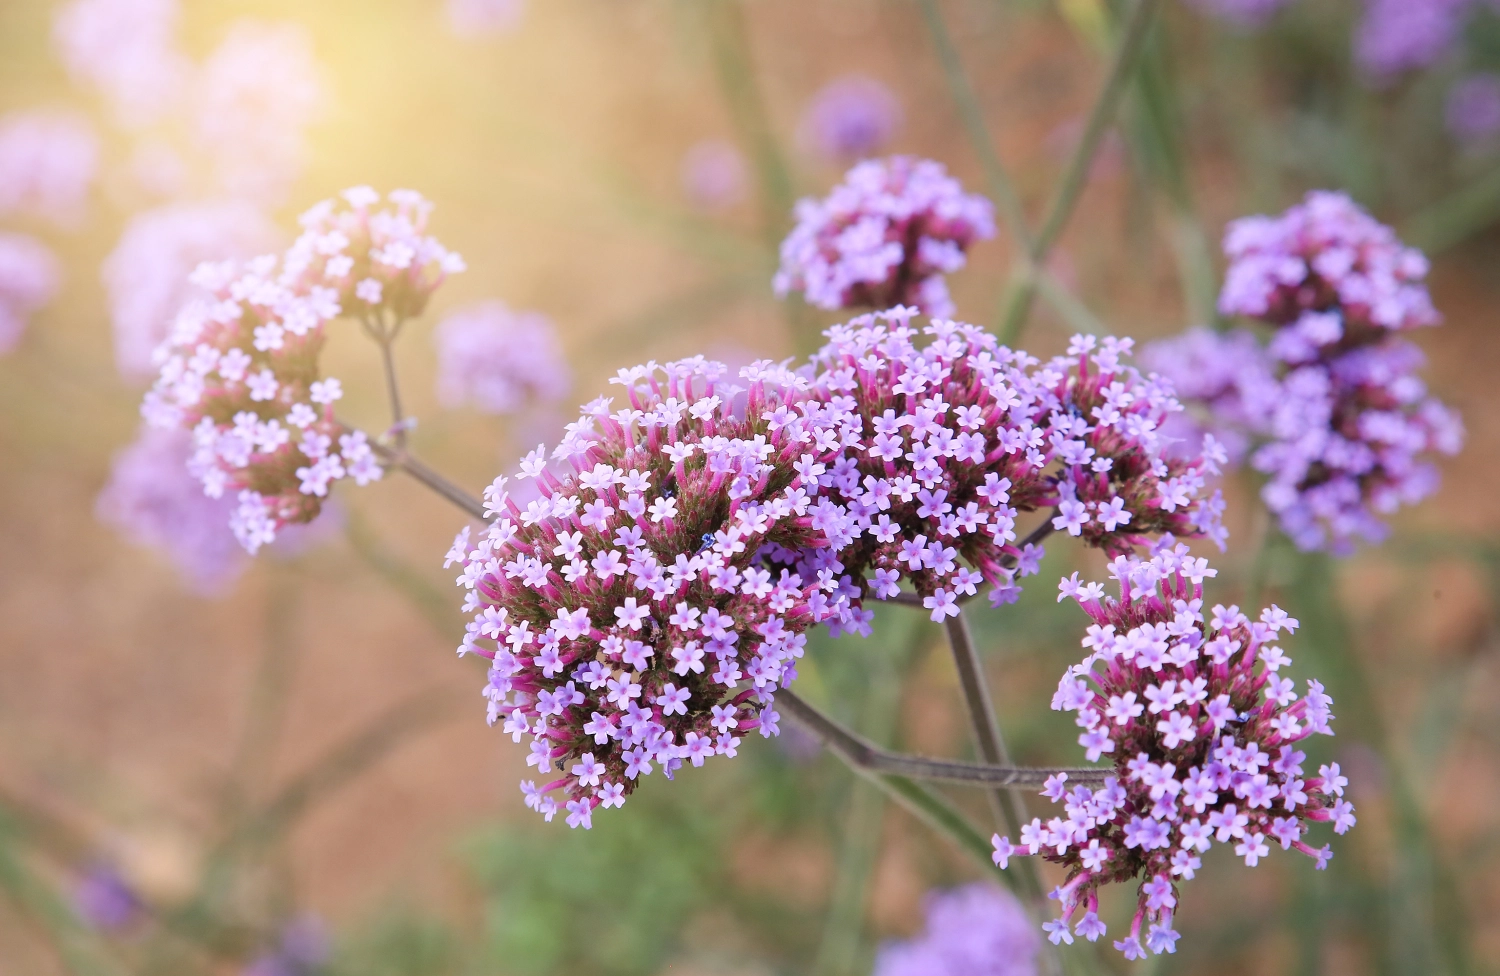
(946, 444)
(28, 280)
(47, 164)
(976, 930)
(147, 275)
(240, 370)
(1226, 382)
(644, 607)
(850, 118)
(104, 901)
(884, 237)
(1473, 110)
(499, 360)
(126, 49)
(1201, 725)
(1396, 36)
(1347, 420)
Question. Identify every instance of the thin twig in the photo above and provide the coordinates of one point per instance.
(403, 459)
(1016, 305)
(864, 755)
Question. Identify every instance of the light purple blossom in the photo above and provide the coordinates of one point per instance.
(850, 118)
(498, 360)
(1396, 36)
(1225, 380)
(104, 901)
(482, 17)
(884, 237)
(127, 51)
(147, 277)
(977, 930)
(713, 175)
(28, 279)
(1473, 110)
(658, 635)
(254, 98)
(48, 161)
(1220, 766)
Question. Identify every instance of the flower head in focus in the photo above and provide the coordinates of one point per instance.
(946, 444)
(976, 930)
(850, 118)
(48, 161)
(28, 279)
(1347, 424)
(147, 277)
(643, 608)
(240, 369)
(1195, 712)
(498, 360)
(884, 237)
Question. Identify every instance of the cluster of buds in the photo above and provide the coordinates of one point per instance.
(883, 237)
(1201, 724)
(643, 608)
(240, 368)
(1334, 397)
(948, 443)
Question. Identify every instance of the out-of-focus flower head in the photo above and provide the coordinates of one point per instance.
(481, 17)
(300, 950)
(1473, 110)
(255, 96)
(498, 360)
(240, 368)
(147, 275)
(713, 175)
(154, 501)
(379, 260)
(945, 445)
(104, 901)
(48, 161)
(1226, 381)
(1348, 420)
(127, 51)
(29, 276)
(850, 118)
(1242, 13)
(1201, 724)
(884, 237)
(1397, 36)
(977, 930)
(644, 608)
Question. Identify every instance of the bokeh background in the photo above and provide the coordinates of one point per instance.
(297, 753)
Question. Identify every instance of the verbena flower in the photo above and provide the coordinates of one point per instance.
(1473, 108)
(975, 930)
(255, 96)
(1348, 422)
(645, 606)
(48, 160)
(154, 501)
(850, 118)
(883, 237)
(1226, 382)
(127, 51)
(147, 277)
(498, 360)
(713, 175)
(946, 444)
(1397, 36)
(1194, 710)
(241, 370)
(28, 279)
